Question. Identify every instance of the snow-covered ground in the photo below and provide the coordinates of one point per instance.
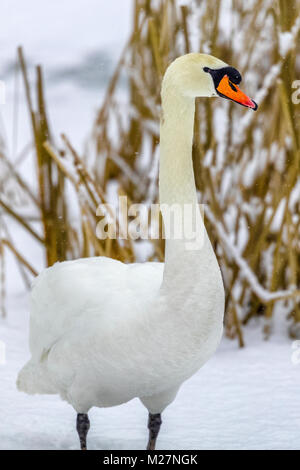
(241, 399)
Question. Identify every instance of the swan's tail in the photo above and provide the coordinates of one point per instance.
(33, 378)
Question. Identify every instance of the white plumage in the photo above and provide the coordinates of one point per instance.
(102, 332)
(97, 337)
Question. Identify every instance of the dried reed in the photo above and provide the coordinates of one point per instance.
(246, 164)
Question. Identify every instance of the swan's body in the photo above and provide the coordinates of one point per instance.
(102, 332)
(117, 351)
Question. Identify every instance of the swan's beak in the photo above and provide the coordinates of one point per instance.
(229, 90)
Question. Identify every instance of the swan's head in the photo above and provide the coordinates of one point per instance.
(204, 75)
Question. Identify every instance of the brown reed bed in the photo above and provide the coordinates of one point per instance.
(246, 164)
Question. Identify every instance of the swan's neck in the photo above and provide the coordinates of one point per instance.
(191, 292)
(176, 176)
(177, 187)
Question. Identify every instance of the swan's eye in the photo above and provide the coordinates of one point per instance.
(236, 78)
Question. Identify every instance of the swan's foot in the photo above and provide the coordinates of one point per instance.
(154, 422)
(82, 426)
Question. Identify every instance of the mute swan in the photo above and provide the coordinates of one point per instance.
(102, 332)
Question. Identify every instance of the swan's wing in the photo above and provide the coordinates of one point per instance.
(69, 291)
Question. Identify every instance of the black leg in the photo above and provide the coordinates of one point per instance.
(154, 422)
(82, 426)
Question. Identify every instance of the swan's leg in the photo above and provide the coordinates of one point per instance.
(82, 426)
(155, 405)
(154, 423)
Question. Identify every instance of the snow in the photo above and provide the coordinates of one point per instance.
(269, 80)
(287, 38)
(78, 47)
(285, 42)
(246, 272)
(241, 399)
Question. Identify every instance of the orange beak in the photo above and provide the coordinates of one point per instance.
(229, 90)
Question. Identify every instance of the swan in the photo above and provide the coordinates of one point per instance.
(103, 332)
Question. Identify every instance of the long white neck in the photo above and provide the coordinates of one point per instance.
(177, 187)
(176, 176)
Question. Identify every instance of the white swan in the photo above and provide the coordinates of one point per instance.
(102, 332)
